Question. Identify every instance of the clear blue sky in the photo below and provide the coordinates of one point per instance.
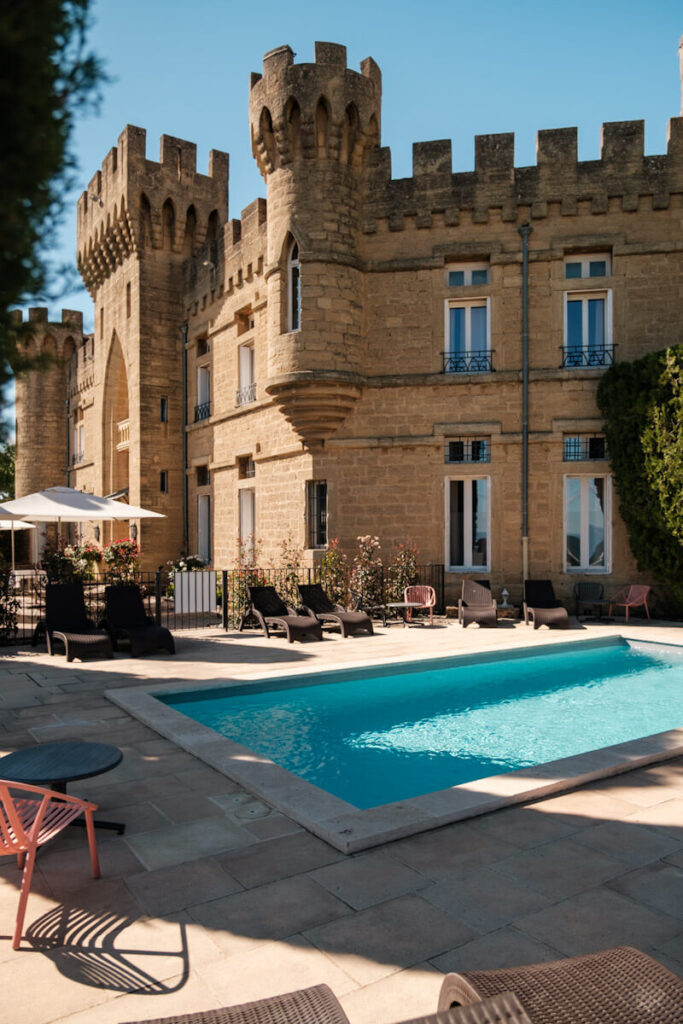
(451, 69)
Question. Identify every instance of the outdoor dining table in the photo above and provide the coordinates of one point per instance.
(402, 607)
(54, 765)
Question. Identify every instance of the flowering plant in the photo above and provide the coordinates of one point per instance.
(83, 557)
(367, 572)
(402, 569)
(334, 573)
(187, 563)
(121, 558)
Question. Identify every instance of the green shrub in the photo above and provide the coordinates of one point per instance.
(333, 573)
(402, 569)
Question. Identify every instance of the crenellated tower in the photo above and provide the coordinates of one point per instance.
(314, 128)
(138, 221)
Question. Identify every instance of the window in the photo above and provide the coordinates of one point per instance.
(459, 274)
(582, 448)
(163, 409)
(246, 391)
(588, 329)
(203, 476)
(293, 289)
(204, 527)
(469, 449)
(592, 265)
(202, 347)
(587, 523)
(247, 515)
(316, 513)
(202, 409)
(467, 524)
(163, 481)
(467, 331)
(128, 299)
(246, 469)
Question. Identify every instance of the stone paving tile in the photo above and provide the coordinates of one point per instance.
(675, 858)
(203, 779)
(170, 889)
(524, 826)
(666, 816)
(506, 947)
(373, 943)
(186, 807)
(66, 870)
(267, 969)
(272, 826)
(584, 807)
(34, 989)
(484, 899)
(269, 912)
(559, 869)
(449, 850)
(657, 885)
(670, 953)
(178, 843)
(369, 878)
(406, 994)
(272, 860)
(634, 844)
(599, 919)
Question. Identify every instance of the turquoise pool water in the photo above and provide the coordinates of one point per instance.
(376, 735)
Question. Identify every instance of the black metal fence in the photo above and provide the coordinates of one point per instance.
(204, 598)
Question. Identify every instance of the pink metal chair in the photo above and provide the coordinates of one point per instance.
(634, 596)
(29, 817)
(424, 596)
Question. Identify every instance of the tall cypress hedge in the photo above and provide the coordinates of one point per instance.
(642, 403)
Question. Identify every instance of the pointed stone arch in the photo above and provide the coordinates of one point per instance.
(115, 416)
(350, 131)
(145, 222)
(168, 225)
(190, 236)
(322, 127)
(268, 136)
(293, 128)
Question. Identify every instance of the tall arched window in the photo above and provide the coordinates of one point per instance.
(293, 289)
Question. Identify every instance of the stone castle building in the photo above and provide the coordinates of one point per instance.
(360, 354)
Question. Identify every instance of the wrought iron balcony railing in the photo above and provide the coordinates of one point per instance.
(202, 411)
(573, 356)
(584, 449)
(245, 394)
(77, 458)
(468, 362)
(468, 450)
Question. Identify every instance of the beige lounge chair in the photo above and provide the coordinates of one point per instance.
(477, 605)
(616, 986)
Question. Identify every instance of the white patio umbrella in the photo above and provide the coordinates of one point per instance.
(14, 524)
(64, 504)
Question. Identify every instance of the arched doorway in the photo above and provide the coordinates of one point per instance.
(116, 434)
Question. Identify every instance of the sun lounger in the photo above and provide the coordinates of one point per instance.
(270, 610)
(541, 607)
(66, 621)
(477, 605)
(127, 620)
(318, 604)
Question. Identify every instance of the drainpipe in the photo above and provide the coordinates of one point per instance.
(186, 527)
(525, 230)
(67, 406)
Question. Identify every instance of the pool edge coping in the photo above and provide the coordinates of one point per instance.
(351, 830)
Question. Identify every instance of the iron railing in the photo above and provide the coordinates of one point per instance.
(469, 449)
(575, 356)
(584, 449)
(202, 411)
(210, 597)
(245, 394)
(468, 362)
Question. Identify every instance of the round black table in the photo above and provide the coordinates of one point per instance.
(54, 765)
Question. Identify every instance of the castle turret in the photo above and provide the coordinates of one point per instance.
(313, 128)
(138, 221)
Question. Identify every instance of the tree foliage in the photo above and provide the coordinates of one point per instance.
(46, 78)
(643, 407)
(7, 454)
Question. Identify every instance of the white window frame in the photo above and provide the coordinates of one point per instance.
(245, 374)
(584, 545)
(467, 304)
(585, 259)
(293, 264)
(583, 296)
(467, 269)
(467, 539)
(248, 542)
(204, 527)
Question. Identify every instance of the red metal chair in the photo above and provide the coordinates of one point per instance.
(29, 817)
(424, 596)
(634, 596)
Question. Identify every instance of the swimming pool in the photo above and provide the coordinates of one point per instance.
(377, 735)
(365, 815)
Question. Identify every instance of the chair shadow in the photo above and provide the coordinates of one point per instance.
(83, 947)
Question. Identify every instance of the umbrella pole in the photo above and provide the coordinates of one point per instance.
(12, 545)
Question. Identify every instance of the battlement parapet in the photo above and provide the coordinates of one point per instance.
(72, 319)
(322, 110)
(133, 202)
(623, 171)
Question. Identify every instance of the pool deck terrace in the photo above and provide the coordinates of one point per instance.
(212, 897)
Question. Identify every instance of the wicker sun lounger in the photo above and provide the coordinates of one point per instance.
(319, 1005)
(126, 619)
(477, 605)
(317, 603)
(66, 622)
(541, 606)
(616, 986)
(270, 610)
